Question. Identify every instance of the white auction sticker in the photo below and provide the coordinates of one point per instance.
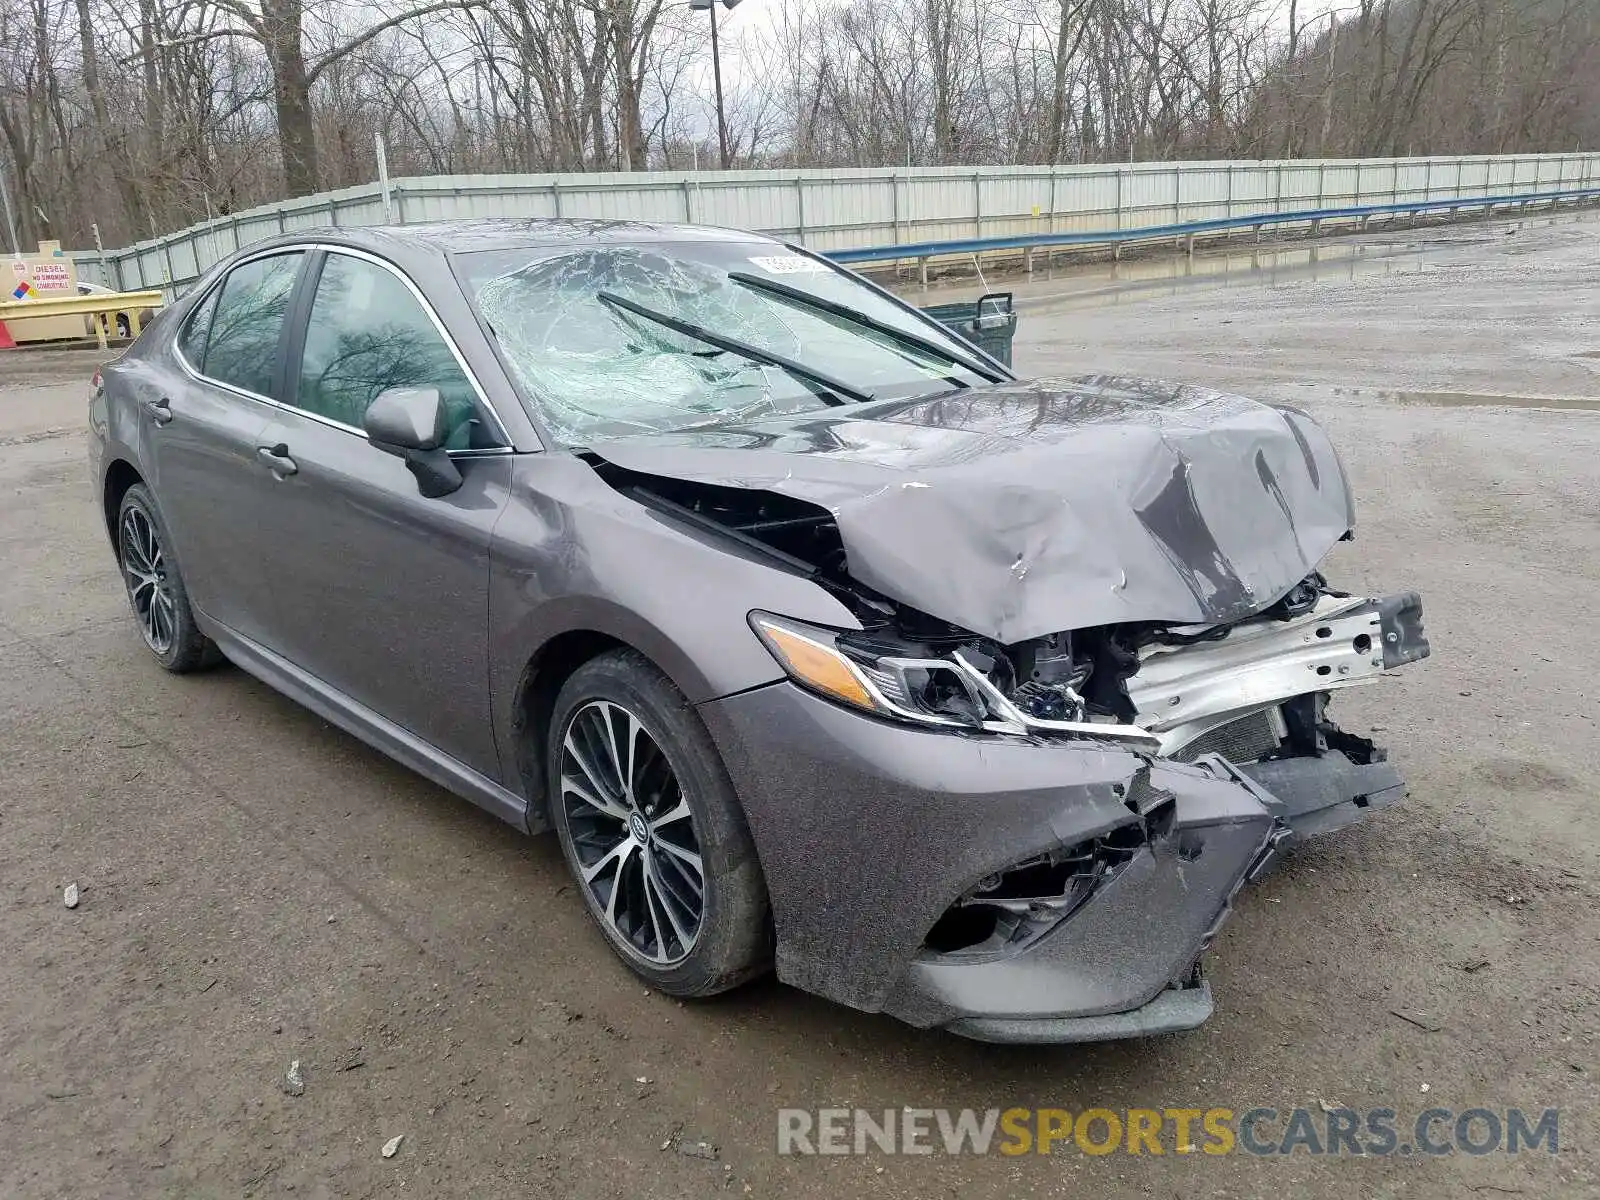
(789, 264)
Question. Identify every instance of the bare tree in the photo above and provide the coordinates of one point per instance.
(181, 109)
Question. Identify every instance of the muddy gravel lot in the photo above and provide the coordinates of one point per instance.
(259, 888)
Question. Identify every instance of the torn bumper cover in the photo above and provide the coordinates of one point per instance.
(1010, 889)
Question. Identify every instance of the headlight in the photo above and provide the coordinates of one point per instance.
(954, 692)
(930, 691)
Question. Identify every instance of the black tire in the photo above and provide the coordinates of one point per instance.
(733, 942)
(173, 637)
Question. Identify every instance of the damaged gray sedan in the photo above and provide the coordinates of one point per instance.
(819, 639)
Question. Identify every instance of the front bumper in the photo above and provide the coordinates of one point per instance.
(869, 832)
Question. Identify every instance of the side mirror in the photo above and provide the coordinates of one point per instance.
(411, 423)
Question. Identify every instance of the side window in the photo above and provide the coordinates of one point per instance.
(248, 316)
(368, 333)
(192, 337)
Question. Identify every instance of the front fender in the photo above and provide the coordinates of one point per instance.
(570, 554)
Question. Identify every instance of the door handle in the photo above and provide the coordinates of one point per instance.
(277, 459)
(160, 410)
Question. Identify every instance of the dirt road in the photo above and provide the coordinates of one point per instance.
(259, 888)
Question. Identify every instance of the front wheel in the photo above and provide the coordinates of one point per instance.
(652, 831)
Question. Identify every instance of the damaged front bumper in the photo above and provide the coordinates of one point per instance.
(1027, 888)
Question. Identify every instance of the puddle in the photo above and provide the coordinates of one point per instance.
(1489, 400)
(1064, 280)
(1472, 399)
(1069, 284)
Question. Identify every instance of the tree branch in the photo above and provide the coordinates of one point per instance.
(315, 70)
(188, 39)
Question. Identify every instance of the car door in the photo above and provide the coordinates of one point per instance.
(203, 413)
(380, 592)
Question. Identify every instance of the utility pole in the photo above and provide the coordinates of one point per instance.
(383, 173)
(716, 74)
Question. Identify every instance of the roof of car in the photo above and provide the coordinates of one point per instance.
(506, 233)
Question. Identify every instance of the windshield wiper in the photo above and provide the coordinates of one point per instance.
(754, 353)
(845, 312)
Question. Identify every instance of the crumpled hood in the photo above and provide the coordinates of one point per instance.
(1022, 509)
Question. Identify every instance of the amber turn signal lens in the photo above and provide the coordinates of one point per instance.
(816, 665)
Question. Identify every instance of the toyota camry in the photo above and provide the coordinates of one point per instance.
(821, 640)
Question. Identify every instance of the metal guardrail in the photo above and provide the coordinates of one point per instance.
(854, 208)
(104, 307)
(1314, 217)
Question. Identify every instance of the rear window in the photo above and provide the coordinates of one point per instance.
(192, 337)
(241, 340)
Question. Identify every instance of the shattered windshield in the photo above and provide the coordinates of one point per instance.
(600, 369)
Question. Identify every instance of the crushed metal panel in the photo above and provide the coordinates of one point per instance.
(1021, 509)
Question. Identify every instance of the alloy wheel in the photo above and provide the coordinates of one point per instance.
(144, 569)
(632, 833)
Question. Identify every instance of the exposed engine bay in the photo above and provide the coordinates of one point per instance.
(1251, 689)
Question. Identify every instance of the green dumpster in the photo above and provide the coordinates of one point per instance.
(989, 323)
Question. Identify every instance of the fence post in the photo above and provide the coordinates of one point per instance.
(555, 196)
(977, 205)
(800, 208)
(688, 207)
(1177, 193)
(1116, 173)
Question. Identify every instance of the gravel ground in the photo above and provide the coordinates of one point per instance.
(259, 888)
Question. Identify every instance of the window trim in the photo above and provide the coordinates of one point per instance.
(296, 320)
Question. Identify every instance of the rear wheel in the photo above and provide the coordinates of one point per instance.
(155, 588)
(652, 830)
